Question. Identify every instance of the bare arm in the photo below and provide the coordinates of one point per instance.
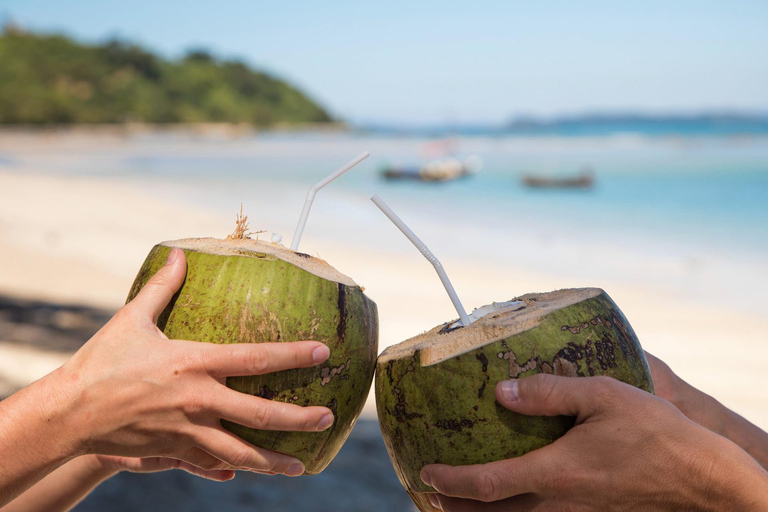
(112, 399)
(28, 421)
(708, 412)
(64, 488)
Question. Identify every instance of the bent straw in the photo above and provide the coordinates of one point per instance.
(311, 196)
(464, 318)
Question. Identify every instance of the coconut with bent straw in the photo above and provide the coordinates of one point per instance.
(435, 392)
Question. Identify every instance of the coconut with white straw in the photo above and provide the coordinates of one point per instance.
(241, 290)
(435, 392)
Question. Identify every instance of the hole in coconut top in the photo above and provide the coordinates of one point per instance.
(437, 345)
(257, 249)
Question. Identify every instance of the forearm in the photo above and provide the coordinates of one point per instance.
(749, 437)
(711, 414)
(64, 488)
(36, 435)
(737, 483)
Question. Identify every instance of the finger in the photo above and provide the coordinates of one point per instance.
(205, 460)
(238, 453)
(493, 481)
(550, 395)
(157, 464)
(157, 293)
(216, 475)
(263, 414)
(260, 358)
(525, 503)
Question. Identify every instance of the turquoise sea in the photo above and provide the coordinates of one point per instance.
(691, 192)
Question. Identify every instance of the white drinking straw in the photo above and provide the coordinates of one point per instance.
(311, 196)
(464, 318)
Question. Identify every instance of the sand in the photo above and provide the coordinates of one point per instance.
(80, 240)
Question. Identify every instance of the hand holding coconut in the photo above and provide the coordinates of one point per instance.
(551, 440)
(171, 403)
(130, 391)
(628, 450)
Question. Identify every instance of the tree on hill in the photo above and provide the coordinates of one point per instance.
(53, 79)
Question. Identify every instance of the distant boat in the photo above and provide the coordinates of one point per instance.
(585, 179)
(445, 169)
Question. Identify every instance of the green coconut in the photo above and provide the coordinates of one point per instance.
(247, 291)
(435, 392)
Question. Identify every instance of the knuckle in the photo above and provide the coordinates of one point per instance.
(307, 419)
(193, 361)
(258, 361)
(197, 404)
(241, 458)
(605, 391)
(604, 382)
(198, 458)
(543, 389)
(263, 415)
(215, 465)
(160, 279)
(278, 465)
(275, 466)
(556, 480)
(487, 486)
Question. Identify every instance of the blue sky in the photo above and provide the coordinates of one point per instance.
(470, 61)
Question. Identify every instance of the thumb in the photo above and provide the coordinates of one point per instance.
(550, 395)
(157, 293)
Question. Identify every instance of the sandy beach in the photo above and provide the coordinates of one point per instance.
(70, 245)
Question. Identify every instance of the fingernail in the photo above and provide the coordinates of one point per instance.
(320, 354)
(172, 256)
(510, 391)
(295, 469)
(426, 478)
(434, 501)
(325, 422)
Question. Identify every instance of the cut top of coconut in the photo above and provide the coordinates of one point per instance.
(443, 342)
(250, 248)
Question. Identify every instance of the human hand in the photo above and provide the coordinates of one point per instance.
(707, 411)
(628, 450)
(696, 405)
(133, 392)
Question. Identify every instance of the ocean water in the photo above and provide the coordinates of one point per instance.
(694, 194)
(691, 211)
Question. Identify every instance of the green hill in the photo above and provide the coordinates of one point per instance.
(53, 79)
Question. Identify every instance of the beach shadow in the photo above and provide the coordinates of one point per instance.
(48, 325)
